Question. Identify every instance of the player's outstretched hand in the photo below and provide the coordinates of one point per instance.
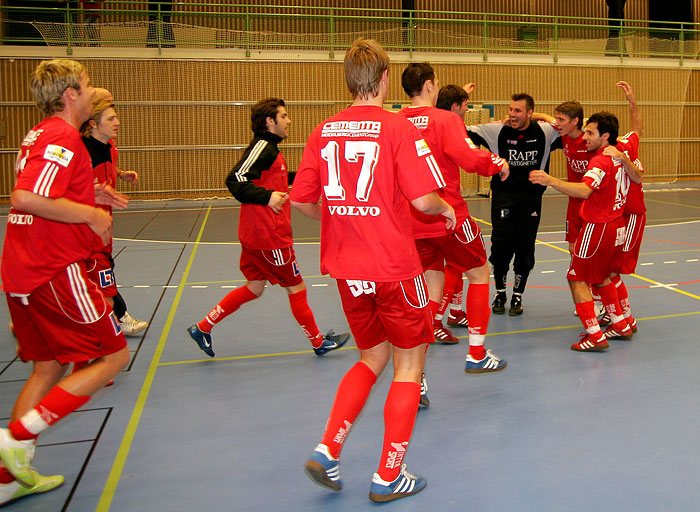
(540, 178)
(129, 176)
(469, 88)
(105, 194)
(627, 89)
(101, 224)
(277, 200)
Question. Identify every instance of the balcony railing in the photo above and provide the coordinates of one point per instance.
(252, 27)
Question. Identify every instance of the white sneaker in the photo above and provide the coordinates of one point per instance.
(130, 326)
(14, 490)
(17, 457)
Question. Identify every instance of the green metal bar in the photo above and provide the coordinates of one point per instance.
(331, 32)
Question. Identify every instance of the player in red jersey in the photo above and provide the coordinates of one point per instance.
(260, 182)
(447, 137)
(453, 98)
(604, 189)
(627, 151)
(369, 166)
(59, 315)
(130, 326)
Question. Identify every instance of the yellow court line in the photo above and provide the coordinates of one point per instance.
(253, 356)
(125, 446)
(504, 333)
(634, 275)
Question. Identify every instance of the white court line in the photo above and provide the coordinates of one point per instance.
(547, 271)
(323, 284)
(200, 286)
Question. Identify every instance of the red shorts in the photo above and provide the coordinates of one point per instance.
(66, 320)
(396, 311)
(464, 249)
(278, 266)
(574, 222)
(101, 273)
(627, 262)
(597, 248)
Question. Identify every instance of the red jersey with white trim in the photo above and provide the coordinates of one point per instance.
(445, 133)
(104, 171)
(629, 145)
(577, 158)
(367, 164)
(610, 184)
(53, 163)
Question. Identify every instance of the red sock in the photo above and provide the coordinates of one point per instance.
(399, 417)
(608, 295)
(434, 306)
(457, 294)
(586, 313)
(57, 404)
(233, 300)
(622, 295)
(5, 476)
(478, 315)
(451, 279)
(350, 398)
(305, 317)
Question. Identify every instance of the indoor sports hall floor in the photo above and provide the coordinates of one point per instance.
(557, 430)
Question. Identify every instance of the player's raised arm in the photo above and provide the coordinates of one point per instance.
(635, 116)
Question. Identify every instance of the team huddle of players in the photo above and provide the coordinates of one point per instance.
(396, 235)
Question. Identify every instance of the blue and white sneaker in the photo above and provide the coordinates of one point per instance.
(405, 484)
(323, 469)
(202, 339)
(424, 400)
(331, 341)
(490, 363)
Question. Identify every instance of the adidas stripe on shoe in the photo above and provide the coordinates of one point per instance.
(323, 469)
(405, 484)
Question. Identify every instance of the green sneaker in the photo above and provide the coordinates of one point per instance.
(17, 457)
(14, 490)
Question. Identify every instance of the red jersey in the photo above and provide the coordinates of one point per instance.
(367, 164)
(629, 145)
(52, 162)
(104, 171)
(610, 184)
(577, 158)
(445, 133)
(260, 171)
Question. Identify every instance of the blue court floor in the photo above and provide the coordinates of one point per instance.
(557, 430)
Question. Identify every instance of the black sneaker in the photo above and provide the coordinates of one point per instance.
(516, 306)
(498, 306)
(331, 341)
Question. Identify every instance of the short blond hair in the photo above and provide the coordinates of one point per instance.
(99, 105)
(365, 63)
(49, 81)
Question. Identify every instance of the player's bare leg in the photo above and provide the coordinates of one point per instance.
(31, 417)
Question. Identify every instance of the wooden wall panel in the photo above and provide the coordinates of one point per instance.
(184, 122)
